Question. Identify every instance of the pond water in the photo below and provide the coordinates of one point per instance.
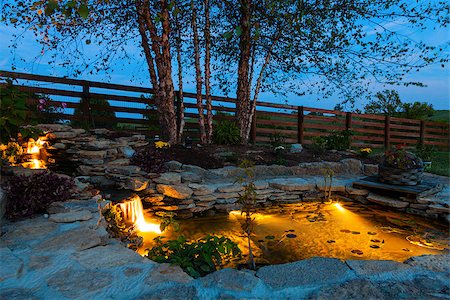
(342, 230)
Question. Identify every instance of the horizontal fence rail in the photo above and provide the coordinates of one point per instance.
(131, 108)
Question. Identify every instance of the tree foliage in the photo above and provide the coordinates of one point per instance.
(284, 46)
(389, 103)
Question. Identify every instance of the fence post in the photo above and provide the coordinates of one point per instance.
(178, 113)
(86, 107)
(300, 118)
(253, 129)
(348, 121)
(422, 132)
(387, 132)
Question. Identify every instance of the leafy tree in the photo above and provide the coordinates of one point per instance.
(257, 45)
(387, 103)
(321, 46)
(417, 110)
(111, 26)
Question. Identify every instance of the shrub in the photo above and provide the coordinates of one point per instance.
(13, 110)
(197, 258)
(10, 153)
(319, 145)
(338, 140)
(98, 113)
(28, 195)
(226, 133)
(46, 109)
(425, 152)
(150, 159)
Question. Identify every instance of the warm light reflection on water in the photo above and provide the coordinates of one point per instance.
(342, 230)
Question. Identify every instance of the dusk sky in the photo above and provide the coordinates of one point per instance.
(28, 58)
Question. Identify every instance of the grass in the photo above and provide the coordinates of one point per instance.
(441, 163)
(440, 116)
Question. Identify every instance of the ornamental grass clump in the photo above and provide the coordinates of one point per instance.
(29, 195)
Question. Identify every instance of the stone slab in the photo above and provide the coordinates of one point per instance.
(436, 263)
(108, 256)
(387, 201)
(174, 191)
(309, 272)
(70, 217)
(11, 265)
(291, 184)
(74, 283)
(231, 279)
(377, 268)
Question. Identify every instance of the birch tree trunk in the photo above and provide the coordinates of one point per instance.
(180, 82)
(207, 34)
(198, 75)
(258, 83)
(159, 61)
(243, 86)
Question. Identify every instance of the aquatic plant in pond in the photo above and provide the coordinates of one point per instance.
(197, 258)
(328, 174)
(248, 201)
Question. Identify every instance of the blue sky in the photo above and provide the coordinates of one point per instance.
(28, 58)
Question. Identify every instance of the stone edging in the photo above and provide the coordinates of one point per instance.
(48, 258)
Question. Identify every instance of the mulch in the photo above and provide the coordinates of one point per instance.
(215, 156)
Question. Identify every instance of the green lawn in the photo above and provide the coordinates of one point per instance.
(440, 116)
(441, 163)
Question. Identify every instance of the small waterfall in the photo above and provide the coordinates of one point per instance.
(133, 212)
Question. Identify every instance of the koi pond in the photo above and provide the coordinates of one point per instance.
(345, 230)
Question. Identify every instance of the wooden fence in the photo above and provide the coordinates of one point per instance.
(128, 106)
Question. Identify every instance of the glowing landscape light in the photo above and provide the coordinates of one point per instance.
(338, 206)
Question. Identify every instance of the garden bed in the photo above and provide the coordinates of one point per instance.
(218, 156)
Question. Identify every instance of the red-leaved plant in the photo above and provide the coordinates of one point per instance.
(29, 195)
(150, 159)
(401, 159)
